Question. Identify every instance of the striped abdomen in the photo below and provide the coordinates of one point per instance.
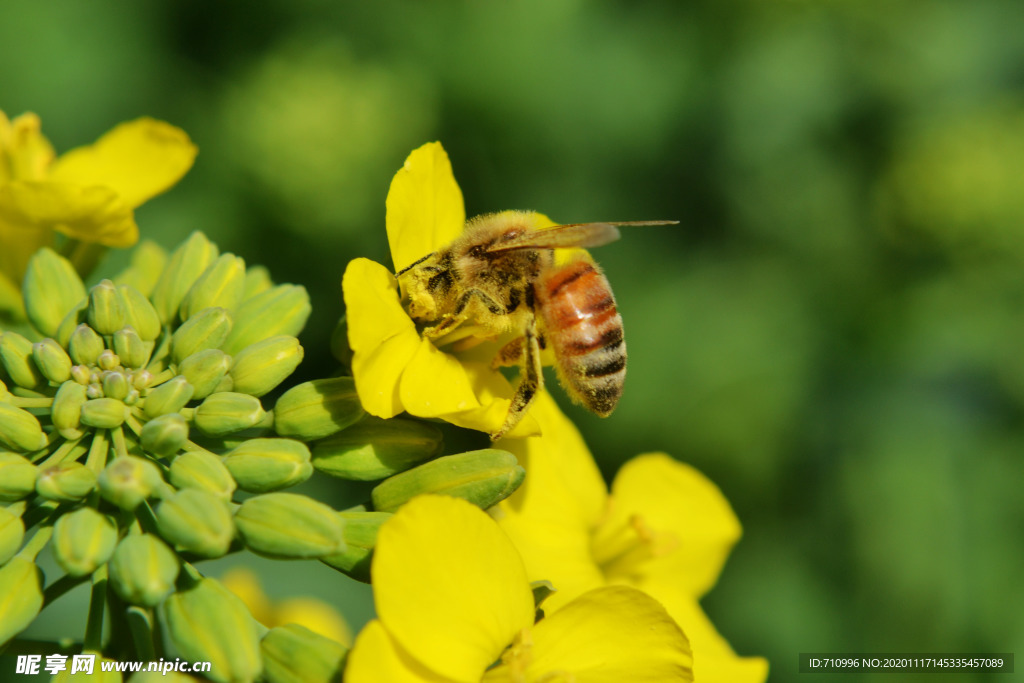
(580, 322)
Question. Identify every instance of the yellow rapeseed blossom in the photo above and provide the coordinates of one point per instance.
(316, 615)
(88, 194)
(665, 529)
(454, 605)
(395, 369)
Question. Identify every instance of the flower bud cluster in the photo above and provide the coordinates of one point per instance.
(132, 414)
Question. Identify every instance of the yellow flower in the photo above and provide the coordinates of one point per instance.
(88, 194)
(453, 599)
(665, 530)
(314, 614)
(395, 369)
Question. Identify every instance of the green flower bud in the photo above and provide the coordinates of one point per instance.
(106, 309)
(83, 540)
(288, 525)
(98, 675)
(19, 429)
(17, 475)
(313, 410)
(16, 357)
(222, 285)
(360, 534)
(186, 264)
(282, 310)
(205, 370)
(207, 329)
(483, 477)
(66, 482)
(52, 360)
(104, 413)
(202, 470)
(197, 521)
(12, 533)
(228, 412)
(147, 262)
(209, 623)
(294, 654)
(143, 569)
(128, 345)
(85, 345)
(373, 448)
(51, 288)
(257, 279)
(262, 465)
(78, 314)
(129, 480)
(262, 366)
(21, 596)
(140, 313)
(169, 397)
(108, 360)
(170, 676)
(165, 435)
(66, 411)
(116, 385)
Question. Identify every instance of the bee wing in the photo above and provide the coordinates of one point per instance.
(584, 235)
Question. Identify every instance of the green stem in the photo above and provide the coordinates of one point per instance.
(146, 518)
(97, 603)
(120, 447)
(63, 453)
(97, 459)
(61, 586)
(31, 402)
(140, 623)
(17, 509)
(135, 420)
(38, 541)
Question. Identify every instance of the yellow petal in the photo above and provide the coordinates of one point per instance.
(137, 160)
(91, 214)
(377, 658)
(10, 296)
(556, 550)
(383, 338)
(449, 586)
(672, 497)
(316, 615)
(610, 635)
(435, 383)
(561, 472)
(17, 244)
(24, 153)
(713, 659)
(246, 585)
(424, 206)
(494, 396)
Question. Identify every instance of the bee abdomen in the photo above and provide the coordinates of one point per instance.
(585, 330)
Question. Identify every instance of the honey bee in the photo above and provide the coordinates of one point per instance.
(501, 275)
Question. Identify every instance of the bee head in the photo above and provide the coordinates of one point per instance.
(418, 284)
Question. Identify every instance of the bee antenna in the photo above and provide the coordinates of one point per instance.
(414, 264)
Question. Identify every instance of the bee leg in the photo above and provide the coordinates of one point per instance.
(444, 327)
(467, 296)
(529, 384)
(452, 320)
(509, 354)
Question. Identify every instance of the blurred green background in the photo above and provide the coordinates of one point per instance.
(833, 334)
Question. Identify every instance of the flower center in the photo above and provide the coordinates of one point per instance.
(621, 546)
